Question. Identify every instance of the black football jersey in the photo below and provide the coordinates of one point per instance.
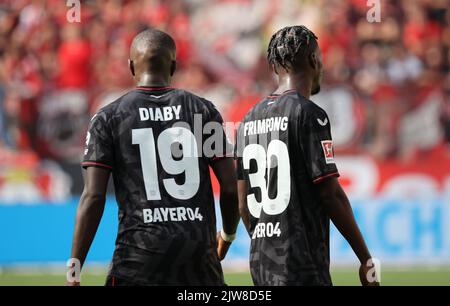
(152, 140)
(284, 147)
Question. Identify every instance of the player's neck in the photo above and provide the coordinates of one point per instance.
(151, 80)
(297, 82)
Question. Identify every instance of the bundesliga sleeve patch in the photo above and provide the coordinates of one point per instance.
(327, 146)
(88, 138)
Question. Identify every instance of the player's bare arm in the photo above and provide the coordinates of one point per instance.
(225, 172)
(337, 205)
(89, 212)
(243, 209)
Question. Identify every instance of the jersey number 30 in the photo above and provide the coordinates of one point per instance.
(186, 161)
(277, 155)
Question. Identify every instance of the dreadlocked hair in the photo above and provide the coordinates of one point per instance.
(288, 42)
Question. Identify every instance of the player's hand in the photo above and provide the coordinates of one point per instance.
(72, 284)
(222, 246)
(368, 275)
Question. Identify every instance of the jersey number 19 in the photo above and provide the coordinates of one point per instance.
(187, 162)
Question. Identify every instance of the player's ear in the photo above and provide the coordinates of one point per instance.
(173, 67)
(313, 61)
(274, 68)
(131, 66)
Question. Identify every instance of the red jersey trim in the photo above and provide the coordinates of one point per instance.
(153, 88)
(88, 163)
(282, 94)
(215, 158)
(321, 178)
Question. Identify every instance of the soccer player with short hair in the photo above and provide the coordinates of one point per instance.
(287, 178)
(145, 139)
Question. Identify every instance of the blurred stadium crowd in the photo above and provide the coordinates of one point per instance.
(386, 85)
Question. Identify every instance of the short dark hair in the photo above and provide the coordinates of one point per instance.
(288, 42)
(153, 38)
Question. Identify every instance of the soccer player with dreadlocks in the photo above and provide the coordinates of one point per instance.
(287, 178)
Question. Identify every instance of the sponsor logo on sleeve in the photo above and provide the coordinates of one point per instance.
(323, 122)
(327, 146)
(88, 138)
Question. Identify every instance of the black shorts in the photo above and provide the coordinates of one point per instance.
(136, 267)
(112, 281)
